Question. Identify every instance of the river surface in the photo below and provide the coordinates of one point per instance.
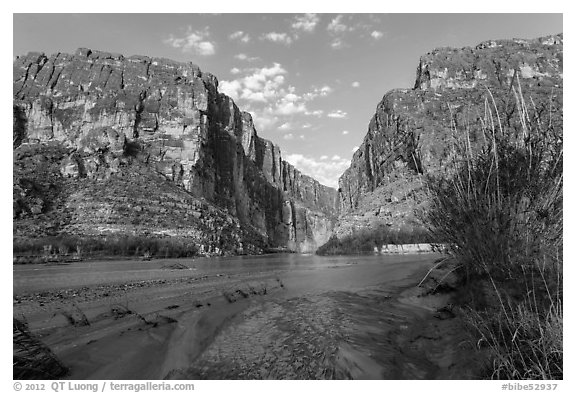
(284, 316)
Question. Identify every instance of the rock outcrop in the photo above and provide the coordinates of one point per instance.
(412, 132)
(110, 144)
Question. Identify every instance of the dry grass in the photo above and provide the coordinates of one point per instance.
(500, 213)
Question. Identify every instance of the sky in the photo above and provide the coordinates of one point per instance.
(311, 81)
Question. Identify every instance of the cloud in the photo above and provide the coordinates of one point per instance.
(281, 38)
(355, 84)
(377, 34)
(263, 84)
(288, 137)
(354, 149)
(337, 114)
(337, 43)
(316, 113)
(264, 120)
(326, 171)
(285, 107)
(240, 36)
(345, 132)
(245, 57)
(194, 41)
(266, 93)
(306, 22)
(285, 127)
(230, 88)
(336, 26)
(318, 92)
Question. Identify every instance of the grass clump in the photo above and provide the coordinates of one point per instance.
(499, 212)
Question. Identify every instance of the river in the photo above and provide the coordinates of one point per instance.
(283, 316)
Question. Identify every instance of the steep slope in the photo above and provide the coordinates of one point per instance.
(134, 145)
(412, 132)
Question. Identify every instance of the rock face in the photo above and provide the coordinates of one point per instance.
(412, 132)
(148, 145)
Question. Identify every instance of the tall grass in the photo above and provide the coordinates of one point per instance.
(499, 211)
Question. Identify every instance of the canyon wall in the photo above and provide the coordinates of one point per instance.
(458, 93)
(110, 144)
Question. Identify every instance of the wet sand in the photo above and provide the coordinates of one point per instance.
(331, 318)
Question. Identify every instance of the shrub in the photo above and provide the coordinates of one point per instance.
(118, 245)
(499, 212)
(364, 241)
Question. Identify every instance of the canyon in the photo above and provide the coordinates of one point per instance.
(107, 145)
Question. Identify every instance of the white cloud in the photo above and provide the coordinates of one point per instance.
(326, 171)
(245, 57)
(306, 125)
(235, 71)
(288, 137)
(318, 92)
(285, 126)
(281, 38)
(285, 107)
(377, 34)
(345, 132)
(240, 36)
(337, 43)
(356, 84)
(230, 88)
(336, 26)
(337, 114)
(264, 120)
(262, 85)
(306, 22)
(316, 113)
(194, 41)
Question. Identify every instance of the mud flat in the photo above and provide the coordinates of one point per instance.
(280, 317)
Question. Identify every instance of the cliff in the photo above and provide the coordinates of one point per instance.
(107, 144)
(458, 93)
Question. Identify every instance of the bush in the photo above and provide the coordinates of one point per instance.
(502, 207)
(364, 241)
(499, 212)
(119, 245)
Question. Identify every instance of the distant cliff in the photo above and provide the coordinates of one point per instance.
(107, 144)
(412, 132)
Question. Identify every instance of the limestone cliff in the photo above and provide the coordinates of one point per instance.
(412, 132)
(105, 143)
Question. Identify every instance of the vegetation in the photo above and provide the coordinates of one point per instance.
(364, 241)
(500, 215)
(40, 249)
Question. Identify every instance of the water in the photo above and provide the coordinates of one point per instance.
(43, 277)
(319, 318)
